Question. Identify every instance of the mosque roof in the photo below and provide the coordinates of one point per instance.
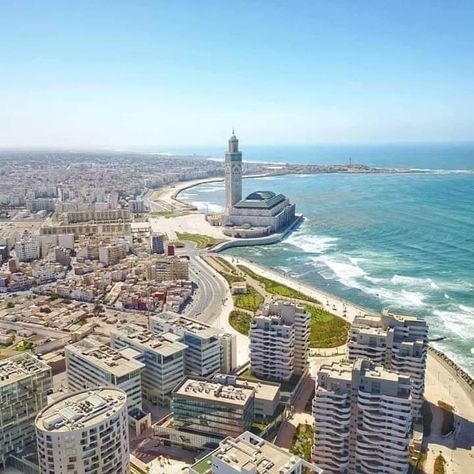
(261, 200)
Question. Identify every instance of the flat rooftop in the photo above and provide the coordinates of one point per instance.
(184, 323)
(165, 344)
(19, 367)
(214, 392)
(80, 410)
(248, 453)
(117, 362)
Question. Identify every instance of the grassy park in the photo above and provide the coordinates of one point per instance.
(276, 288)
(201, 241)
(303, 442)
(240, 321)
(251, 301)
(327, 330)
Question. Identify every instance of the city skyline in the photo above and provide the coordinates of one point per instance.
(159, 74)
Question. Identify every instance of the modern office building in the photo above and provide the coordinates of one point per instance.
(200, 405)
(399, 343)
(362, 419)
(24, 382)
(157, 242)
(209, 350)
(279, 341)
(91, 364)
(85, 432)
(163, 356)
(251, 454)
(111, 254)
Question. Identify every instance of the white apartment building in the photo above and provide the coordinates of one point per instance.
(362, 419)
(91, 364)
(85, 432)
(251, 454)
(163, 356)
(399, 343)
(27, 249)
(279, 341)
(136, 206)
(24, 381)
(209, 350)
(111, 254)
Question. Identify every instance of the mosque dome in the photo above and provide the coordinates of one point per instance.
(261, 196)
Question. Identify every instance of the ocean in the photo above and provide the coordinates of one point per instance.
(398, 241)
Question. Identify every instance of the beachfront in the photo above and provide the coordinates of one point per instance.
(457, 449)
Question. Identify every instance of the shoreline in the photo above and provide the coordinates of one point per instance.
(305, 288)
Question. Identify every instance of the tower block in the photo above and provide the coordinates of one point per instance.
(233, 173)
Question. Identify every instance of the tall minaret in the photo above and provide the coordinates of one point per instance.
(233, 173)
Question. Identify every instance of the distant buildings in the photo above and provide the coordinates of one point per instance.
(24, 382)
(91, 364)
(208, 350)
(362, 419)
(27, 249)
(279, 341)
(250, 454)
(157, 243)
(136, 206)
(84, 432)
(398, 343)
(163, 356)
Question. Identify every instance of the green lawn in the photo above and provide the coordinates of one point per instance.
(276, 288)
(303, 442)
(168, 214)
(250, 301)
(201, 241)
(327, 330)
(225, 264)
(240, 321)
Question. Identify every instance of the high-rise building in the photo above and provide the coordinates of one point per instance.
(233, 173)
(399, 343)
(157, 242)
(24, 382)
(85, 432)
(362, 419)
(163, 356)
(27, 249)
(251, 454)
(209, 350)
(279, 341)
(136, 206)
(91, 364)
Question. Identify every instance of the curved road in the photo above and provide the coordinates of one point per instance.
(211, 292)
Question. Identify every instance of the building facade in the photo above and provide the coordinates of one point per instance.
(251, 454)
(362, 419)
(91, 364)
(399, 343)
(279, 341)
(163, 356)
(24, 382)
(85, 432)
(233, 173)
(208, 349)
(157, 243)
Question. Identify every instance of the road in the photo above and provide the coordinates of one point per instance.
(211, 293)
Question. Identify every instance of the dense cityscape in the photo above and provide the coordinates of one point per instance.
(129, 344)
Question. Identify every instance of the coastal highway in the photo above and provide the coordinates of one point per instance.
(211, 292)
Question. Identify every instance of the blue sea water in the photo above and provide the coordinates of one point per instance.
(402, 241)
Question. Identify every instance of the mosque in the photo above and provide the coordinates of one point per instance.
(261, 213)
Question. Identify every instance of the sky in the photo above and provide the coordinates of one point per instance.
(125, 74)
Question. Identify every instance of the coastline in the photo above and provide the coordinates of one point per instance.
(174, 192)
